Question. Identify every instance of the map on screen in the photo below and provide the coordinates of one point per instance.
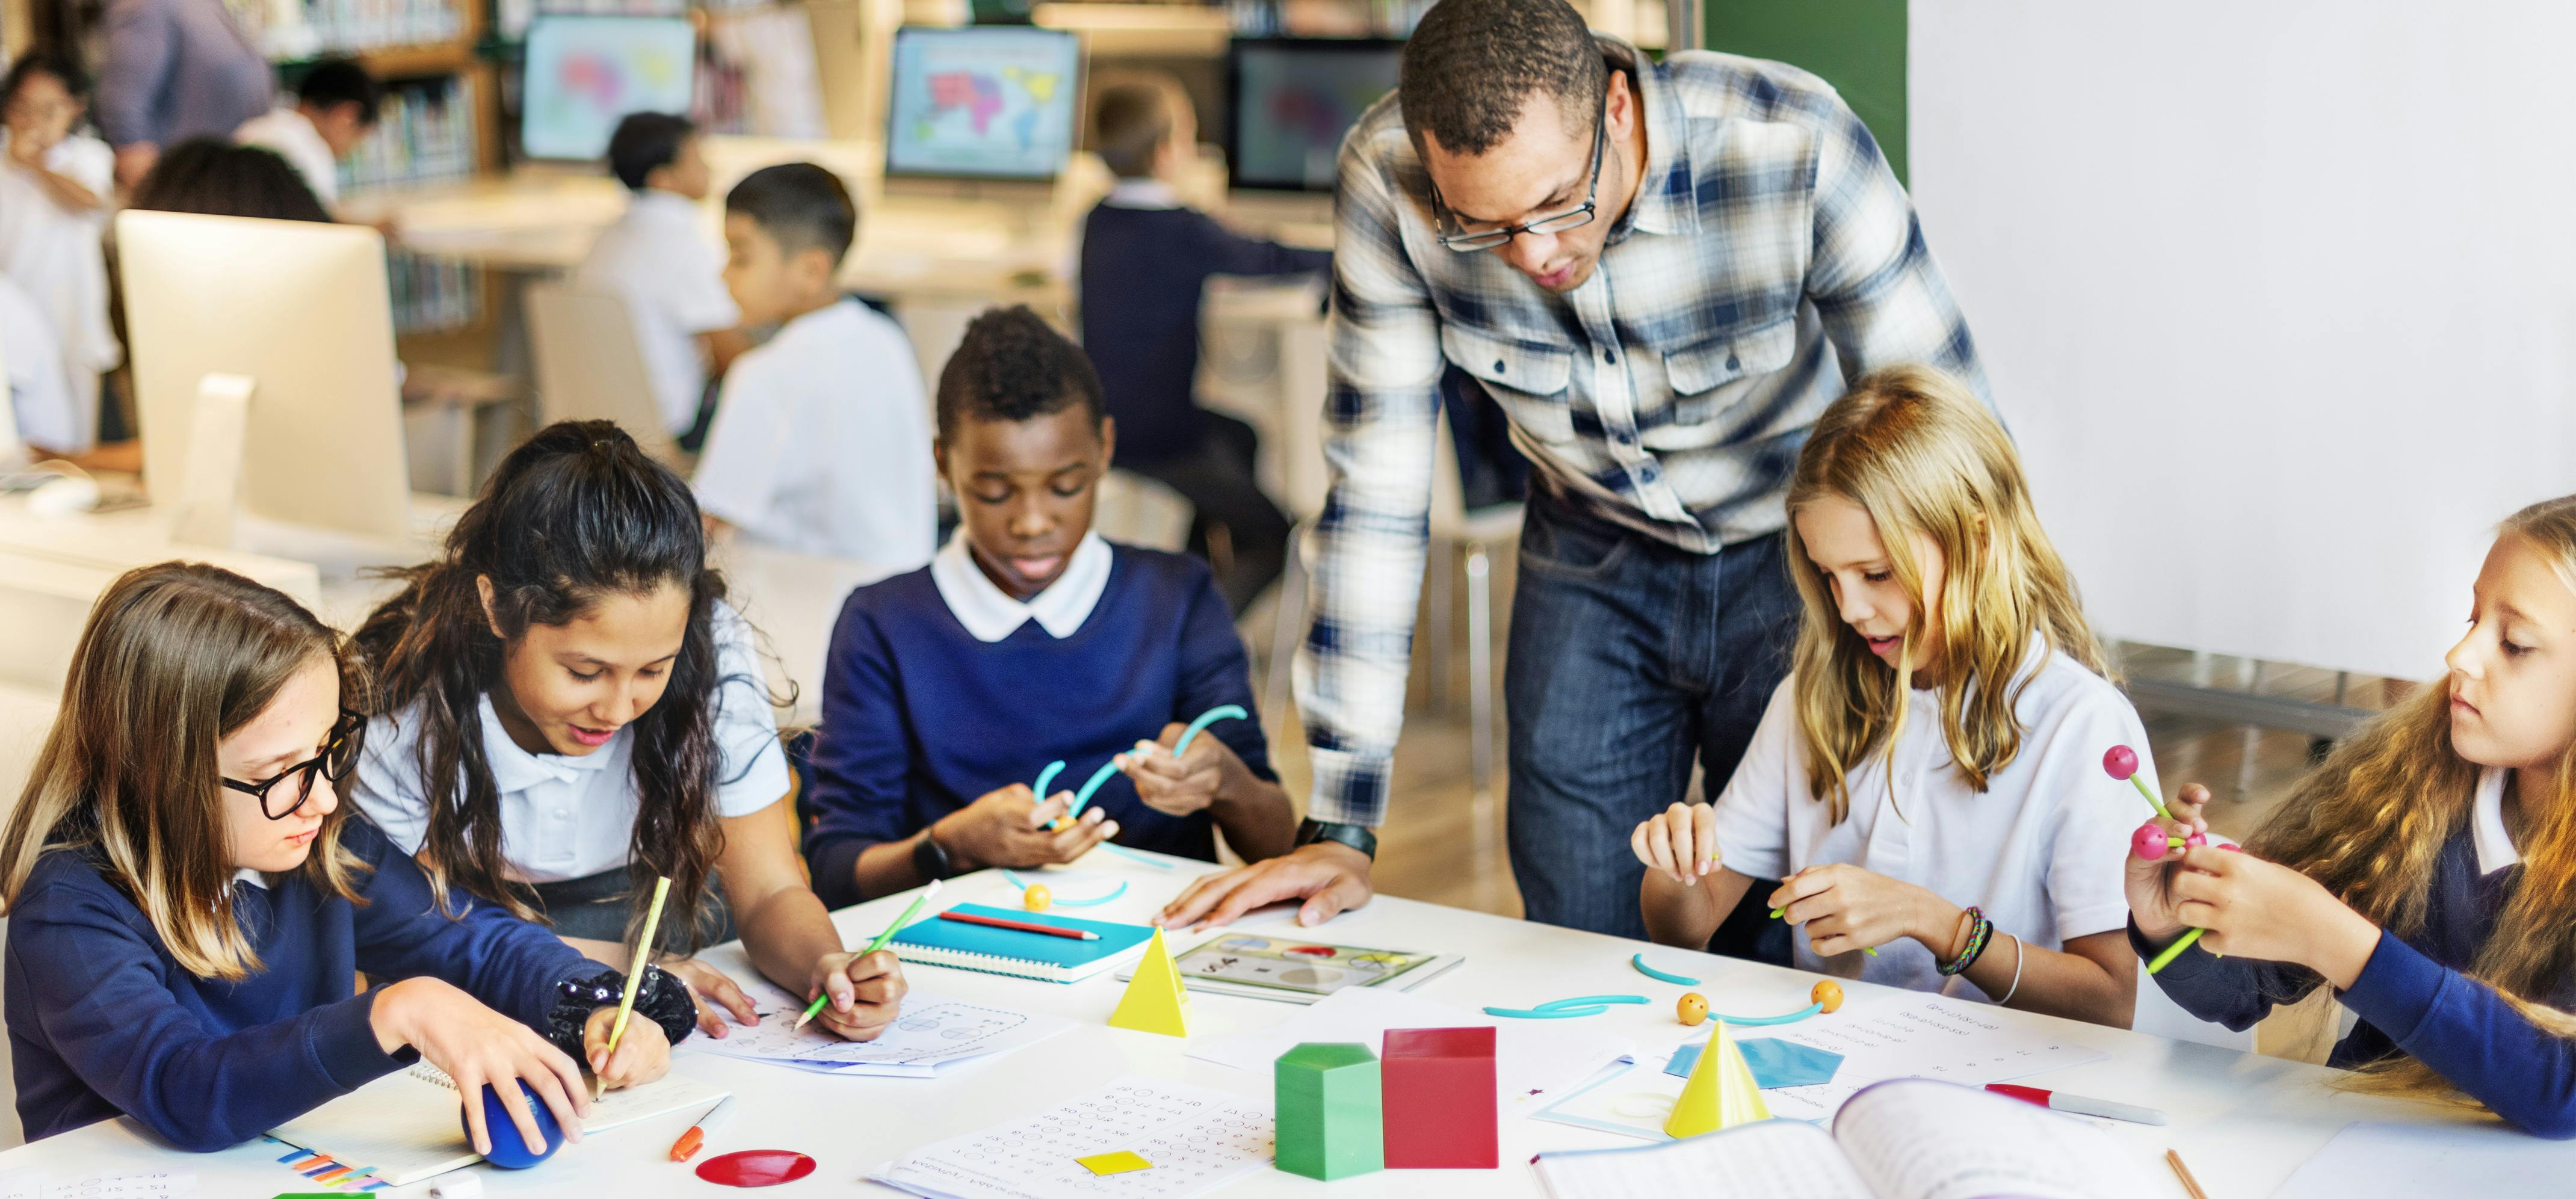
(586, 73)
(982, 102)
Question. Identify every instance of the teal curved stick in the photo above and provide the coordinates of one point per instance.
(1092, 902)
(1209, 717)
(1549, 1013)
(1083, 796)
(1046, 776)
(1679, 980)
(1589, 1001)
(1133, 856)
(1758, 1021)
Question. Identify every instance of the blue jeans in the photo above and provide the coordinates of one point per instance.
(1629, 658)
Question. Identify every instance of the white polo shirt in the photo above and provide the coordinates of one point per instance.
(821, 443)
(287, 131)
(659, 259)
(2042, 851)
(566, 817)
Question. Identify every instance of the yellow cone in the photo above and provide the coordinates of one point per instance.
(1720, 1093)
(1155, 1001)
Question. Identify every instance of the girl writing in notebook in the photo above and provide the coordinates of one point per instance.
(569, 709)
(190, 905)
(2426, 872)
(1925, 780)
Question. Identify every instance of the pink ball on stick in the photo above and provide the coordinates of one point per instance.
(2120, 762)
(2149, 842)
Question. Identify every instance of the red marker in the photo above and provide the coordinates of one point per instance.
(696, 1138)
(2063, 1102)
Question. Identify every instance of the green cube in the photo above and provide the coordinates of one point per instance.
(1330, 1123)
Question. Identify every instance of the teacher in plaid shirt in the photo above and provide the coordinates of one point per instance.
(1662, 272)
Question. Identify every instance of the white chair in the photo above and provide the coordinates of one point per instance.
(591, 367)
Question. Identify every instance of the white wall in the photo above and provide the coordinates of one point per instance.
(2276, 296)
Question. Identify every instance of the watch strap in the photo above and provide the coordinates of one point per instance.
(1357, 836)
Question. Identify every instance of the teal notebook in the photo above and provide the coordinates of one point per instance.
(982, 947)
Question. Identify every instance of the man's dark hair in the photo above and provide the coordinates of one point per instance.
(333, 82)
(799, 205)
(1128, 125)
(646, 142)
(1013, 366)
(65, 69)
(217, 178)
(1471, 64)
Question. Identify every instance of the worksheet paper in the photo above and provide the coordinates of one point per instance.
(931, 1033)
(2370, 1160)
(1198, 1139)
(164, 1184)
(1908, 1034)
(1532, 1058)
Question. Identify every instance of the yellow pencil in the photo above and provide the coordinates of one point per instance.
(643, 952)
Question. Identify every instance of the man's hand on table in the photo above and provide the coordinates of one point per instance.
(1331, 877)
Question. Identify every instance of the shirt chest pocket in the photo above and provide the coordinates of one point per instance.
(1528, 380)
(1711, 376)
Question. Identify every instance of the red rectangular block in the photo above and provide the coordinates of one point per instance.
(1438, 1087)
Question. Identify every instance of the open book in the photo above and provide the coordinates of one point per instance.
(1907, 1138)
(405, 1125)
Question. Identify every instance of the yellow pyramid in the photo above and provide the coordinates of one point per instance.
(1155, 1000)
(1721, 1092)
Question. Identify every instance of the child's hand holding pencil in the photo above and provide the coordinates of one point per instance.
(639, 1057)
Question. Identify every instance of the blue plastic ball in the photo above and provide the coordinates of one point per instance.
(510, 1150)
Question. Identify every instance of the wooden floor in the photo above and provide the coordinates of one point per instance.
(1440, 845)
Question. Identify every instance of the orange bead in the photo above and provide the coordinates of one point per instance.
(1038, 899)
(1692, 1009)
(1828, 993)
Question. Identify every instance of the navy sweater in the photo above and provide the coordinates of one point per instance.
(1143, 273)
(2414, 997)
(920, 719)
(102, 1021)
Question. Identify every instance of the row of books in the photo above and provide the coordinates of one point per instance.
(432, 295)
(514, 15)
(306, 28)
(425, 135)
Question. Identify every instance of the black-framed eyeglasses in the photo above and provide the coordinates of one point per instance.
(338, 756)
(1572, 218)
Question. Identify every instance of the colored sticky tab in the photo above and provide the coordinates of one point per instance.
(1125, 1161)
(1775, 1063)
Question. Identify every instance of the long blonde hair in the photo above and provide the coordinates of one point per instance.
(2370, 824)
(1914, 449)
(175, 658)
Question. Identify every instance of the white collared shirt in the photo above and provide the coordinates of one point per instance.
(2039, 851)
(572, 817)
(287, 131)
(1152, 194)
(991, 614)
(658, 258)
(2486, 823)
(821, 443)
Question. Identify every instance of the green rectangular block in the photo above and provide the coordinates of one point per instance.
(1330, 1116)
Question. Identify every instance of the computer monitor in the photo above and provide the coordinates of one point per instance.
(587, 73)
(300, 311)
(1290, 101)
(989, 102)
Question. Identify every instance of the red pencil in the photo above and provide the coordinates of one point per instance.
(1070, 934)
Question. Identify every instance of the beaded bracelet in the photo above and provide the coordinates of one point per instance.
(1979, 932)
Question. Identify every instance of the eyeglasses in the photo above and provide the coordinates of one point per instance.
(338, 755)
(1572, 218)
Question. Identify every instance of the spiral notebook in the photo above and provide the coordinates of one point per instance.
(404, 1127)
(937, 942)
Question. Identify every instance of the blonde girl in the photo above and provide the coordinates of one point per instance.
(1927, 781)
(189, 904)
(2427, 872)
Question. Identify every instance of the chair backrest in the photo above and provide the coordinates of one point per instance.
(590, 365)
(1136, 510)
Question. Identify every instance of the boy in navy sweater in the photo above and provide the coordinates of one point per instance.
(1146, 259)
(1030, 639)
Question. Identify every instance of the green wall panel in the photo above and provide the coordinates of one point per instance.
(1856, 45)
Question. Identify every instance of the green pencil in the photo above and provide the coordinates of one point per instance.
(815, 1008)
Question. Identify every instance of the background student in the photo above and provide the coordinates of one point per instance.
(1030, 639)
(672, 278)
(218, 178)
(336, 104)
(2427, 872)
(54, 190)
(175, 70)
(189, 903)
(821, 440)
(1938, 742)
(569, 709)
(1146, 258)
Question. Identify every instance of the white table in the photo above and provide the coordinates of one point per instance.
(2243, 1122)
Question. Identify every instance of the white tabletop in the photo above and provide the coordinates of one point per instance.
(2243, 1122)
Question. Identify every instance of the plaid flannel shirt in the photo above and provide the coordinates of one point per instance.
(1669, 393)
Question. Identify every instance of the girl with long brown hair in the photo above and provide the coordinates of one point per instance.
(568, 709)
(2426, 872)
(189, 905)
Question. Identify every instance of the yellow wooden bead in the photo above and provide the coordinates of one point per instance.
(1692, 1009)
(1828, 993)
(1038, 898)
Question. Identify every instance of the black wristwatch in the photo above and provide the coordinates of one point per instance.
(929, 859)
(1357, 836)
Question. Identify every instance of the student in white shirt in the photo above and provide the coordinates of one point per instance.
(41, 404)
(659, 259)
(53, 219)
(1928, 781)
(568, 709)
(335, 106)
(821, 443)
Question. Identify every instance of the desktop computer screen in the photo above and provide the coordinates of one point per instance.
(586, 73)
(1292, 99)
(983, 102)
